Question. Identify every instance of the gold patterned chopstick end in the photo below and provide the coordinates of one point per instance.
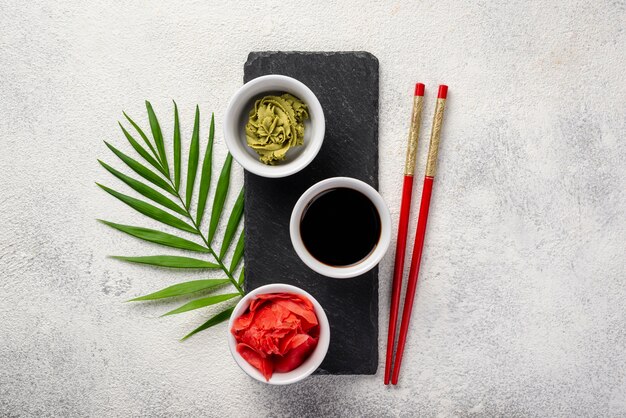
(416, 117)
(435, 134)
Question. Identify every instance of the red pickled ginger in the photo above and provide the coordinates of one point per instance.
(277, 333)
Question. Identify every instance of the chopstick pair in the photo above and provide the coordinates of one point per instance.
(405, 209)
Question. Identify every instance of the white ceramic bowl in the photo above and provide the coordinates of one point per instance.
(362, 266)
(237, 114)
(310, 364)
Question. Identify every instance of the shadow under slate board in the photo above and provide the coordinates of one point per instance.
(346, 84)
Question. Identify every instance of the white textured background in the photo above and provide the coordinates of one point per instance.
(520, 307)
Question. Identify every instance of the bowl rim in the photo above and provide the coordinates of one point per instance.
(302, 371)
(364, 265)
(232, 128)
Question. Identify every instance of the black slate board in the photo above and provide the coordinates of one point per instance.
(346, 84)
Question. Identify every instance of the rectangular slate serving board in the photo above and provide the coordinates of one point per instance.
(346, 84)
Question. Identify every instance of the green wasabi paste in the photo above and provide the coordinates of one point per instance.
(276, 124)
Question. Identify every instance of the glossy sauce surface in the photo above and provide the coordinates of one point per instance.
(340, 227)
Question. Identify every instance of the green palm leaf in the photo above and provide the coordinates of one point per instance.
(220, 197)
(171, 261)
(147, 191)
(150, 211)
(182, 289)
(157, 237)
(214, 320)
(154, 154)
(194, 151)
(233, 224)
(176, 149)
(201, 303)
(158, 137)
(205, 178)
(241, 276)
(238, 254)
(142, 170)
(143, 136)
(141, 150)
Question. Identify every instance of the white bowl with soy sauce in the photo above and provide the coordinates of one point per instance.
(340, 227)
(238, 113)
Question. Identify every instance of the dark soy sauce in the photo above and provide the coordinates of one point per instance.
(340, 227)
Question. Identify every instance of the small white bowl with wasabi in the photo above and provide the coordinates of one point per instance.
(274, 126)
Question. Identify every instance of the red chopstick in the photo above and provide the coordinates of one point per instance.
(431, 166)
(403, 226)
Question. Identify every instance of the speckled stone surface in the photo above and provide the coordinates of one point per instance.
(520, 306)
(346, 84)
